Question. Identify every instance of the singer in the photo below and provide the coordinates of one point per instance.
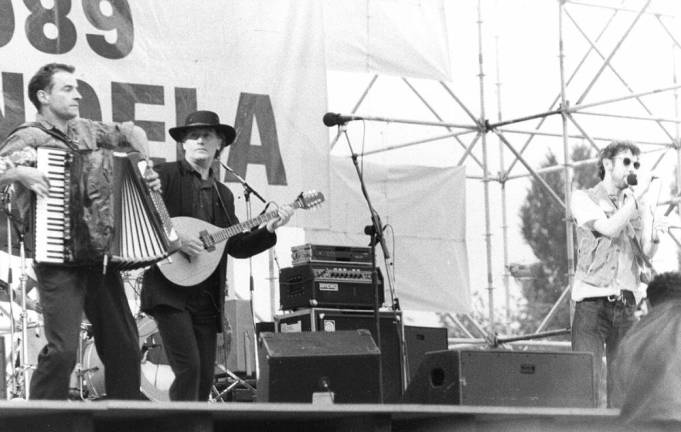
(613, 255)
(189, 318)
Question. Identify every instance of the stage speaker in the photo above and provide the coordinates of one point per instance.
(419, 341)
(330, 320)
(236, 347)
(297, 367)
(504, 378)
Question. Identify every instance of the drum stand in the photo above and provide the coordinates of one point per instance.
(78, 369)
(236, 381)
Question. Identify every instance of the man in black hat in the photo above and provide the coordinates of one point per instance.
(189, 318)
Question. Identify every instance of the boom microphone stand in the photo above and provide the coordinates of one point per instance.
(375, 231)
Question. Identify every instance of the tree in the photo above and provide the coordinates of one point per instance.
(674, 192)
(543, 227)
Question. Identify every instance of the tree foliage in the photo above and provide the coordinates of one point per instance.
(543, 227)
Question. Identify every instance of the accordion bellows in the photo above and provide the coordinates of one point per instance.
(100, 209)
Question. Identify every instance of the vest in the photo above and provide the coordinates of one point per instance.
(598, 255)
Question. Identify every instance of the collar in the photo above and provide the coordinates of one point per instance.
(601, 191)
(67, 137)
(188, 169)
(48, 125)
(44, 122)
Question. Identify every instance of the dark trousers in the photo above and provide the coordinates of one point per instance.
(65, 292)
(598, 327)
(190, 339)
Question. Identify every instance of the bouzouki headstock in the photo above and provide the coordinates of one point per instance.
(309, 199)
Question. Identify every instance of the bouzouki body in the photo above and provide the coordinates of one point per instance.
(184, 270)
(188, 271)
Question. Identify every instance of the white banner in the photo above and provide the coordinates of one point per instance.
(261, 65)
(394, 37)
(424, 209)
(257, 64)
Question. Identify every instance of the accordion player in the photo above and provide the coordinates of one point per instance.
(100, 210)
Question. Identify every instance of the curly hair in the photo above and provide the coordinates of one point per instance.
(665, 286)
(612, 150)
(42, 80)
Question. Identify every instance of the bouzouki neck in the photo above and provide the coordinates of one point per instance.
(219, 236)
(209, 240)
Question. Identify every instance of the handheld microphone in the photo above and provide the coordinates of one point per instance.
(632, 179)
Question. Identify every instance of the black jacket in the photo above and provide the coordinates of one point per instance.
(176, 180)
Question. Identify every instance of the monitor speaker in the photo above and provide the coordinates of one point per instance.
(331, 320)
(419, 341)
(504, 378)
(297, 367)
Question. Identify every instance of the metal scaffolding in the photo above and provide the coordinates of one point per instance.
(574, 113)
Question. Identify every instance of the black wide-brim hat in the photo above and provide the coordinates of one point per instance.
(202, 119)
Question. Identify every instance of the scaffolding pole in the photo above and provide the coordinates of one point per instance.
(567, 167)
(503, 192)
(485, 174)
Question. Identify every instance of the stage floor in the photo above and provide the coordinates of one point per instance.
(148, 416)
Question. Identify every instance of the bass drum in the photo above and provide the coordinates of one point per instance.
(157, 376)
(92, 371)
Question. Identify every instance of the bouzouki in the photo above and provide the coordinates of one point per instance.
(183, 270)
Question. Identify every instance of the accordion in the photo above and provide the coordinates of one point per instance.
(100, 211)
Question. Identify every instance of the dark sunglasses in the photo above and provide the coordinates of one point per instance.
(626, 161)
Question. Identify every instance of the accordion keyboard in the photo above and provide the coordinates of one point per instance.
(51, 234)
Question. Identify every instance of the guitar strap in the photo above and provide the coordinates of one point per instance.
(230, 220)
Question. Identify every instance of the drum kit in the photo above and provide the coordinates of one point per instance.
(87, 379)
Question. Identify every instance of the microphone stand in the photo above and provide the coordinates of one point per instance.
(375, 231)
(248, 190)
(7, 208)
(23, 389)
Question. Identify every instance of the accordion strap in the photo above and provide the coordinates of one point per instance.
(54, 132)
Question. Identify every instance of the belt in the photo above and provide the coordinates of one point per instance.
(625, 297)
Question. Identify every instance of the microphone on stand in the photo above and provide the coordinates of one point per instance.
(335, 119)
